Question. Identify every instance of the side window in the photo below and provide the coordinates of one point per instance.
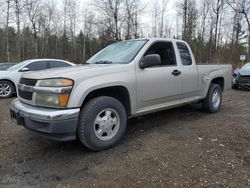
(184, 53)
(54, 64)
(36, 66)
(166, 52)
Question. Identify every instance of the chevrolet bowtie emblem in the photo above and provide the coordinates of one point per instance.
(22, 87)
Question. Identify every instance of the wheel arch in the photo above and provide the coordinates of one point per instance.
(220, 81)
(8, 80)
(119, 92)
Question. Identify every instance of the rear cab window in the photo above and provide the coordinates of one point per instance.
(185, 55)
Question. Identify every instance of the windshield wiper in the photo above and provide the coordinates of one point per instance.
(103, 62)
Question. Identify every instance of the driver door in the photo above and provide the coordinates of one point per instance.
(159, 85)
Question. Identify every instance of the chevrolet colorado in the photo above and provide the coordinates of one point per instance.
(92, 102)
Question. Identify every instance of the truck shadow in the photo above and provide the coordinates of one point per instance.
(165, 119)
(42, 160)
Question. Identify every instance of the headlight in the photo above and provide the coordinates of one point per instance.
(56, 92)
(56, 83)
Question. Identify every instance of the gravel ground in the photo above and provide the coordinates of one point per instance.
(182, 147)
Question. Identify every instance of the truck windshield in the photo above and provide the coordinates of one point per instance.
(118, 53)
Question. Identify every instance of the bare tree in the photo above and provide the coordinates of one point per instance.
(217, 7)
(163, 11)
(130, 5)
(8, 2)
(47, 22)
(189, 14)
(242, 7)
(90, 24)
(85, 17)
(155, 15)
(65, 23)
(237, 28)
(204, 17)
(72, 22)
(133, 9)
(184, 7)
(18, 7)
(33, 8)
(112, 12)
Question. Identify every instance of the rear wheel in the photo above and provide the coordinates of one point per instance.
(6, 89)
(102, 123)
(212, 102)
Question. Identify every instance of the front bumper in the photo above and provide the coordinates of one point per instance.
(242, 82)
(242, 86)
(56, 124)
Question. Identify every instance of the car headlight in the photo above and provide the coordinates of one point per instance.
(55, 83)
(54, 92)
(234, 80)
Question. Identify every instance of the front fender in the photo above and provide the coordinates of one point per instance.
(83, 88)
(9, 79)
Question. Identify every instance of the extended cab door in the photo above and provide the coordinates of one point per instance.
(189, 71)
(159, 84)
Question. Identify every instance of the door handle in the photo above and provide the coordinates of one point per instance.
(176, 72)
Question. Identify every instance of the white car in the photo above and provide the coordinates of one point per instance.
(10, 77)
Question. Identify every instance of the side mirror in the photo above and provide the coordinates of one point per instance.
(150, 61)
(24, 69)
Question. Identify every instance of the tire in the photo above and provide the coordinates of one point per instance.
(7, 89)
(212, 104)
(102, 123)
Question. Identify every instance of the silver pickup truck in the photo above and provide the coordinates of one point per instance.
(92, 102)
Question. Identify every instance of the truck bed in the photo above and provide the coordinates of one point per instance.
(208, 70)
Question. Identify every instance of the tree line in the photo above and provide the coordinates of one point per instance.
(217, 30)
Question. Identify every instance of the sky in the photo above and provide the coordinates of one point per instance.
(146, 16)
(170, 11)
(170, 14)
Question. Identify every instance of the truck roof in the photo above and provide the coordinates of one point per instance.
(158, 39)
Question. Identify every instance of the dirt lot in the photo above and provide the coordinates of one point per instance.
(184, 147)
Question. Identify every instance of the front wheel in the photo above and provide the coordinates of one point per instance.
(212, 102)
(102, 123)
(6, 89)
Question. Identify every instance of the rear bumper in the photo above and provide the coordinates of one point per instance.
(55, 124)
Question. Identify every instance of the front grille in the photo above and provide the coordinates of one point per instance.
(244, 79)
(25, 94)
(28, 82)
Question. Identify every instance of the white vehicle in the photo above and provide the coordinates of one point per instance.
(9, 78)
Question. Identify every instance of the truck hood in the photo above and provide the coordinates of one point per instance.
(77, 72)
